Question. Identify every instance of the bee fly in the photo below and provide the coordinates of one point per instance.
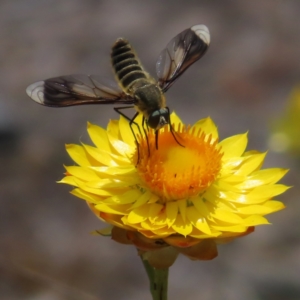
(136, 87)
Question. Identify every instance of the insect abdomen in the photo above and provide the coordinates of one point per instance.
(126, 64)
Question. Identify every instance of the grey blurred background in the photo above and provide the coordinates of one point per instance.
(243, 81)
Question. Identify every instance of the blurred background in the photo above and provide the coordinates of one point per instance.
(244, 82)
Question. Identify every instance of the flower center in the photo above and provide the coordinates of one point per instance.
(175, 172)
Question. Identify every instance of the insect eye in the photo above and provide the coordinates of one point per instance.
(159, 118)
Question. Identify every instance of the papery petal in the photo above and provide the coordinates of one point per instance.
(175, 119)
(234, 146)
(207, 126)
(99, 137)
(78, 154)
(182, 227)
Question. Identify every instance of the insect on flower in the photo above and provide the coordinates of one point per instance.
(136, 88)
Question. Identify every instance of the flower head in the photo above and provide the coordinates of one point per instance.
(190, 197)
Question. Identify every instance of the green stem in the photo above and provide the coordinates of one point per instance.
(158, 281)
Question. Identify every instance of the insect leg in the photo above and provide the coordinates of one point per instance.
(146, 133)
(172, 130)
(156, 139)
(131, 121)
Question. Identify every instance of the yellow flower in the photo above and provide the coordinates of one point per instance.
(190, 197)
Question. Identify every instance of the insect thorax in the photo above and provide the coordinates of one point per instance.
(149, 97)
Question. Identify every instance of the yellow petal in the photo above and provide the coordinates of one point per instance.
(227, 216)
(182, 227)
(234, 179)
(69, 180)
(258, 195)
(182, 208)
(198, 221)
(175, 120)
(198, 234)
(262, 177)
(251, 164)
(154, 198)
(78, 154)
(263, 209)
(149, 226)
(126, 133)
(161, 219)
(233, 228)
(231, 163)
(163, 232)
(201, 207)
(112, 209)
(119, 170)
(100, 191)
(274, 206)
(85, 196)
(115, 139)
(131, 226)
(139, 121)
(171, 211)
(143, 199)
(82, 173)
(138, 215)
(262, 193)
(226, 237)
(154, 210)
(104, 157)
(227, 186)
(106, 184)
(208, 127)
(99, 137)
(112, 219)
(129, 196)
(113, 129)
(255, 220)
(234, 146)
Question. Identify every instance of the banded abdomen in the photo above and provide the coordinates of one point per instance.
(127, 67)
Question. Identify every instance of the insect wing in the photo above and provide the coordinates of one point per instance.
(76, 90)
(182, 51)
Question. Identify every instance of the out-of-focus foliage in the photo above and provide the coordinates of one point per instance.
(286, 129)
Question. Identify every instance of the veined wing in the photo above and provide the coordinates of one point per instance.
(182, 51)
(76, 90)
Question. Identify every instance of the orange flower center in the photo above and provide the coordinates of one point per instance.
(175, 172)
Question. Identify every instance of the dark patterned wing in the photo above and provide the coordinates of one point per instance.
(76, 90)
(182, 51)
